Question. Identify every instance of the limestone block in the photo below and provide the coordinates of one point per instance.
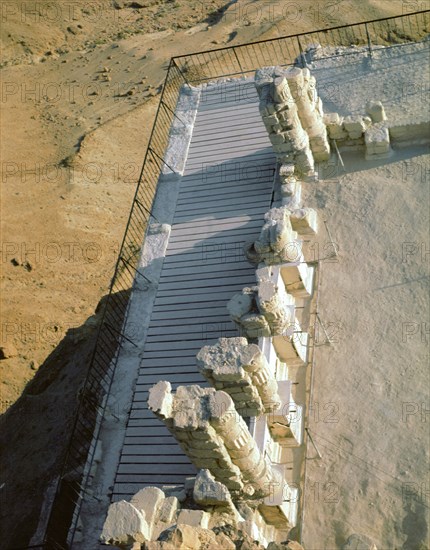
(166, 516)
(270, 120)
(175, 491)
(291, 346)
(323, 155)
(286, 171)
(245, 370)
(208, 491)
(148, 501)
(334, 124)
(168, 509)
(277, 241)
(281, 90)
(332, 119)
(298, 278)
(263, 77)
(280, 234)
(283, 148)
(377, 141)
(304, 221)
(410, 133)
(288, 117)
(241, 304)
(238, 439)
(316, 128)
(296, 82)
(190, 406)
(276, 308)
(290, 187)
(277, 139)
(286, 421)
(376, 111)
(354, 125)
(160, 399)
(255, 325)
(194, 518)
(124, 525)
(179, 537)
(305, 161)
(297, 138)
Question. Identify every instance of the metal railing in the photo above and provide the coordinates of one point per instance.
(190, 69)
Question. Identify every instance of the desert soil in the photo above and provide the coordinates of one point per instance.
(80, 85)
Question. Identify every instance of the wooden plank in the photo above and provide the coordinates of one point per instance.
(172, 283)
(194, 198)
(209, 270)
(203, 332)
(152, 450)
(159, 430)
(195, 313)
(138, 470)
(164, 459)
(204, 131)
(221, 213)
(219, 260)
(193, 324)
(158, 479)
(136, 436)
(222, 295)
(186, 242)
(220, 201)
(149, 380)
(181, 233)
(223, 197)
(202, 162)
(221, 144)
(238, 172)
(192, 304)
(214, 291)
(215, 184)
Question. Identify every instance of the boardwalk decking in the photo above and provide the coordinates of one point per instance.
(224, 193)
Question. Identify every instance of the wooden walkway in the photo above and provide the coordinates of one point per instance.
(224, 194)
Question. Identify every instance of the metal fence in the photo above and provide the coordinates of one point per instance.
(190, 69)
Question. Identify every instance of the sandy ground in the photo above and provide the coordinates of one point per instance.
(368, 416)
(370, 403)
(79, 95)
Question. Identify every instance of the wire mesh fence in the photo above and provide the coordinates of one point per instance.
(190, 69)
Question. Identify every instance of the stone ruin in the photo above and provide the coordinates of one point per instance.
(293, 115)
(300, 131)
(211, 432)
(200, 515)
(235, 432)
(241, 370)
(356, 132)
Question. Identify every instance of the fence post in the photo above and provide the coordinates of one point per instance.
(180, 72)
(302, 53)
(369, 42)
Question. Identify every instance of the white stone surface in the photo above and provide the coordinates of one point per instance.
(194, 518)
(124, 524)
